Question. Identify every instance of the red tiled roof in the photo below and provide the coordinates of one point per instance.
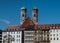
(47, 26)
(36, 26)
(27, 22)
(13, 28)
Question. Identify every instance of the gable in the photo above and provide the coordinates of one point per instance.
(27, 22)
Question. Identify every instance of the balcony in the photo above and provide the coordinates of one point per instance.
(29, 35)
(29, 39)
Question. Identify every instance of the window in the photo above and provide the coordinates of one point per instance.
(14, 32)
(50, 34)
(18, 32)
(50, 27)
(54, 38)
(53, 27)
(14, 36)
(57, 34)
(39, 39)
(35, 38)
(57, 38)
(34, 15)
(19, 35)
(51, 38)
(11, 32)
(53, 34)
(47, 38)
(56, 27)
(54, 30)
(10, 29)
(50, 30)
(18, 39)
(23, 20)
(57, 30)
(44, 38)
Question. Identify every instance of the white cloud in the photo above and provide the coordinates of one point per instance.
(6, 21)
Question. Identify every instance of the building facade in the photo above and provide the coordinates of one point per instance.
(12, 36)
(54, 35)
(30, 31)
(36, 36)
(29, 36)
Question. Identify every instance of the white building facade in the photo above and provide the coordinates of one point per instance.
(15, 36)
(54, 35)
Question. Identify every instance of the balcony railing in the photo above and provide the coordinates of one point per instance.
(28, 39)
(28, 35)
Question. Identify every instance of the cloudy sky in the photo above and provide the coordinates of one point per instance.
(48, 11)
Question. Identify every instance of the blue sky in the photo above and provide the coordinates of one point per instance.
(48, 11)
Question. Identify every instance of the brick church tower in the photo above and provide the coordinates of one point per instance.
(23, 14)
(35, 15)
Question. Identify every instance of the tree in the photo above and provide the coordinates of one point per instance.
(7, 38)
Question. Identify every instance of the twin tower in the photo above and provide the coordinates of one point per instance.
(34, 15)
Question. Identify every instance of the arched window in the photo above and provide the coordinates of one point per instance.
(34, 15)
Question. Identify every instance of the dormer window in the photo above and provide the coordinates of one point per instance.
(53, 27)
